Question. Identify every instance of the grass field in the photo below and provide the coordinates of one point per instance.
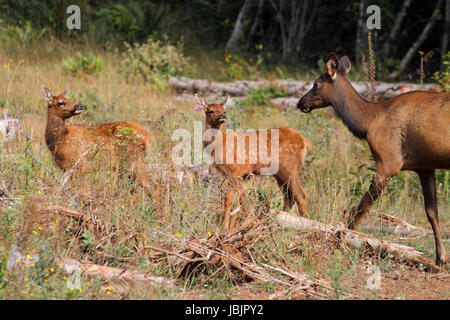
(337, 172)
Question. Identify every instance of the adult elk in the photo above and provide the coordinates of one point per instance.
(292, 148)
(73, 145)
(408, 132)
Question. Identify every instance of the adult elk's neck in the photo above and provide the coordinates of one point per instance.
(356, 113)
(55, 126)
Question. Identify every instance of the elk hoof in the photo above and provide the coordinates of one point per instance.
(441, 262)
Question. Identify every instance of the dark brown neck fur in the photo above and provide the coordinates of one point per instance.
(356, 113)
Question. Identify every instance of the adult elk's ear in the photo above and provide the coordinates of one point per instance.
(345, 65)
(332, 65)
(47, 94)
(201, 101)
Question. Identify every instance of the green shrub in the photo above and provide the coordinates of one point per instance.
(443, 78)
(88, 63)
(155, 61)
(20, 35)
(237, 68)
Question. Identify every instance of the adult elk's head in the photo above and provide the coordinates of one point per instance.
(324, 90)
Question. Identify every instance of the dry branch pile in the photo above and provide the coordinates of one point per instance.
(232, 251)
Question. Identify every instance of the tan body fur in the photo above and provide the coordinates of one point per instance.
(117, 143)
(293, 148)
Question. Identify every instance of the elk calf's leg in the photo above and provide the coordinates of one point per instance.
(289, 200)
(229, 197)
(300, 195)
(428, 182)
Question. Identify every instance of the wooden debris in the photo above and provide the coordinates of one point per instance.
(237, 88)
(231, 250)
(112, 274)
(359, 240)
(397, 226)
(292, 88)
(92, 223)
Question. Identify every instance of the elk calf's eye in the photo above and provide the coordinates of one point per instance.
(60, 103)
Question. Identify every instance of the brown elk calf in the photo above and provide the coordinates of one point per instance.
(408, 132)
(76, 144)
(292, 148)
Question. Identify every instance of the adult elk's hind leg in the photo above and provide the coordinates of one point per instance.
(428, 182)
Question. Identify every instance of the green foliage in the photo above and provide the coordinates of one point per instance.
(124, 21)
(262, 95)
(155, 61)
(336, 271)
(443, 78)
(88, 239)
(84, 63)
(25, 34)
(236, 68)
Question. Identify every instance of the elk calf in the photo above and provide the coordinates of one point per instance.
(292, 148)
(77, 144)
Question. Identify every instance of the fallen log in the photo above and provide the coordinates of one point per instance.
(396, 226)
(359, 240)
(292, 88)
(112, 274)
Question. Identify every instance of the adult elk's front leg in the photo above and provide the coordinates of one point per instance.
(377, 186)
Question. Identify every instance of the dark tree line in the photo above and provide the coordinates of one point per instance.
(290, 31)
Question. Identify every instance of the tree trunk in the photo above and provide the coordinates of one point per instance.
(413, 50)
(445, 36)
(256, 22)
(238, 29)
(295, 19)
(394, 31)
(361, 32)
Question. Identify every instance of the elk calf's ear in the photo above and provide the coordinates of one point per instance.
(47, 94)
(224, 102)
(332, 65)
(345, 65)
(64, 93)
(201, 101)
